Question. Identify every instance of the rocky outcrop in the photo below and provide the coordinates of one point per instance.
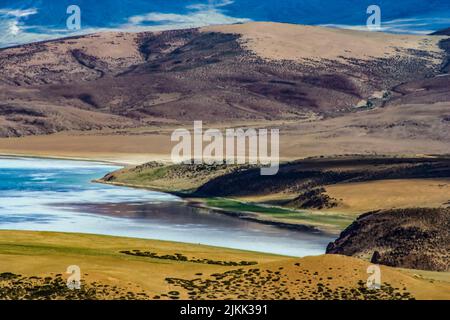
(408, 238)
(314, 199)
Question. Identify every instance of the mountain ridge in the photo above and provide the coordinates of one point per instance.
(128, 80)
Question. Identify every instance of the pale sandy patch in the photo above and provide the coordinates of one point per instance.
(278, 41)
(389, 194)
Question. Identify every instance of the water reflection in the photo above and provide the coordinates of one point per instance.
(57, 195)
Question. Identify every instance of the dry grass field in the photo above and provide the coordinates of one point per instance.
(275, 41)
(418, 129)
(390, 194)
(105, 271)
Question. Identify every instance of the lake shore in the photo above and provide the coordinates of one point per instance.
(319, 194)
(106, 262)
(58, 195)
(245, 215)
(194, 202)
(88, 158)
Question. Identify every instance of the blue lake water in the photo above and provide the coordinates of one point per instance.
(58, 195)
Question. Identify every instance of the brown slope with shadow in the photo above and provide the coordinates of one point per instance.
(408, 238)
(208, 74)
(300, 176)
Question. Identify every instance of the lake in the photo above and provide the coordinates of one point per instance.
(58, 195)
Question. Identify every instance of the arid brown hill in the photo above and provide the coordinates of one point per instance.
(305, 175)
(244, 72)
(407, 238)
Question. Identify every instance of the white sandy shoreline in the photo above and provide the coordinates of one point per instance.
(88, 159)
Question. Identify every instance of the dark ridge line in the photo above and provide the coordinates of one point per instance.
(79, 57)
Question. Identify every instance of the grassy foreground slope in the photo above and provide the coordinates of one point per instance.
(33, 265)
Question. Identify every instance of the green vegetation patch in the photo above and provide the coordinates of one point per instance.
(255, 284)
(234, 205)
(308, 217)
(181, 257)
(17, 287)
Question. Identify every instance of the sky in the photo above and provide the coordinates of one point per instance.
(24, 21)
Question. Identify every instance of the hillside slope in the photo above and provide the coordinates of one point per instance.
(35, 269)
(407, 238)
(228, 73)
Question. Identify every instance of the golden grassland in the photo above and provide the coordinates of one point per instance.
(298, 139)
(357, 198)
(360, 197)
(46, 254)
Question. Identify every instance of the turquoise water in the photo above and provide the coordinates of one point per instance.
(58, 195)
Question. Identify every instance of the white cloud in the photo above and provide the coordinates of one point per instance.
(17, 13)
(14, 28)
(211, 5)
(410, 25)
(388, 29)
(13, 32)
(11, 24)
(415, 21)
(199, 15)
